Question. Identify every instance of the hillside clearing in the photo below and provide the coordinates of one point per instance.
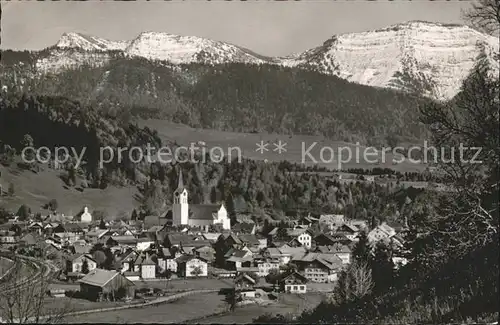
(37, 189)
(296, 145)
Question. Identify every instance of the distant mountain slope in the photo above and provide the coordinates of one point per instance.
(414, 56)
(241, 98)
(419, 57)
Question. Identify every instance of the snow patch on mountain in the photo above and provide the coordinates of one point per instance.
(89, 43)
(187, 49)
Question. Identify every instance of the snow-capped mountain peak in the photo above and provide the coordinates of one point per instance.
(187, 49)
(89, 43)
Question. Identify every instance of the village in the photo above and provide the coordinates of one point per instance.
(135, 260)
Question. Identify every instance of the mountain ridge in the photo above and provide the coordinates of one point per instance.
(431, 59)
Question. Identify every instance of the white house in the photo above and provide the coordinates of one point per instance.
(190, 266)
(199, 215)
(86, 216)
(148, 269)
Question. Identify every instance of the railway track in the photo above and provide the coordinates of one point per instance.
(36, 271)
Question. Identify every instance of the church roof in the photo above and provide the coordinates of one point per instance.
(203, 211)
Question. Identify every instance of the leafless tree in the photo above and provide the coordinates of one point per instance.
(23, 299)
(484, 16)
(468, 216)
(354, 283)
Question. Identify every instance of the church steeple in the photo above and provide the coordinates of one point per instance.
(180, 207)
(180, 184)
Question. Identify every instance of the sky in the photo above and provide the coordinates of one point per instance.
(268, 28)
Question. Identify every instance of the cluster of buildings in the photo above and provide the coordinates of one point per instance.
(191, 241)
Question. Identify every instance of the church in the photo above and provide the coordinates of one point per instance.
(199, 215)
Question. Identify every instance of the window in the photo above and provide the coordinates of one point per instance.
(294, 287)
(301, 287)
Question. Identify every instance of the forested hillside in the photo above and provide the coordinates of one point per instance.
(233, 97)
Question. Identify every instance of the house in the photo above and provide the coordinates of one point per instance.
(293, 283)
(29, 240)
(307, 221)
(148, 267)
(102, 284)
(245, 285)
(74, 265)
(342, 251)
(288, 253)
(317, 267)
(205, 252)
(303, 236)
(126, 241)
(8, 237)
(331, 239)
(168, 262)
(360, 224)
(349, 230)
(331, 221)
(191, 266)
(127, 260)
(238, 258)
(266, 265)
(36, 227)
(381, 232)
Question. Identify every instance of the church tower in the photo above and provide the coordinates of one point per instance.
(180, 208)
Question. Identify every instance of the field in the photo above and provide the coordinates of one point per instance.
(246, 142)
(288, 304)
(37, 189)
(192, 284)
(68, 305)
(181, 310)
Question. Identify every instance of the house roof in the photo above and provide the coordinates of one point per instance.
(294, 275)
(295, 232)
(249, 239)
(211, 236)
(349, 228)
(178, 238)
(331, 218)
(125, 239)
(187, 258)
(243, 227)
(97, 233)
(79, 256)
(273, 252)
(29, 239)
(203, 211)
(244, 276)
(99, 277)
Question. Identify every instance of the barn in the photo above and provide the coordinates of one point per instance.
(101, 284)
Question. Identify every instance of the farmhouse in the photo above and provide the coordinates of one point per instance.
(245, 285)
(293, 283)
